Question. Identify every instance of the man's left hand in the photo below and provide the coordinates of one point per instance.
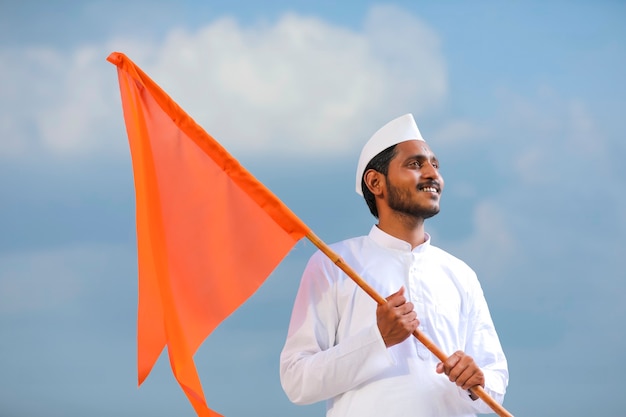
(462, 370)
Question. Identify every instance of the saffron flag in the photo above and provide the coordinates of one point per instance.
(208, 232)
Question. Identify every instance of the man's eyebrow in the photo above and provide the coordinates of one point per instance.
(422, 156)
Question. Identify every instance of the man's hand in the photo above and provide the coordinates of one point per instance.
(462, 370)
(396, 319)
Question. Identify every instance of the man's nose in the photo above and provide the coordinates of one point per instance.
(429, 170)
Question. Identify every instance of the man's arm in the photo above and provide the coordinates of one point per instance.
(483, 346)
(314, 365)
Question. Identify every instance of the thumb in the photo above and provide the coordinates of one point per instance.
(439, 368)
(397, 293)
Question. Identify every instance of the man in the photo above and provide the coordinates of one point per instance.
(359, 357)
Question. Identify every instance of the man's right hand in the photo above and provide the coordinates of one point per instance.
(396, 319)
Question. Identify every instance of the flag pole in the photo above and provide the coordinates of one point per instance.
(477, 390)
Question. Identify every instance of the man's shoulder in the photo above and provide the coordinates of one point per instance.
(449, 259)
(343, 247)
(350, 242)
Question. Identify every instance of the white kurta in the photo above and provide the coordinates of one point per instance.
(335, 352)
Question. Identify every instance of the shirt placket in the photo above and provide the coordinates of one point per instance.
(417, 296)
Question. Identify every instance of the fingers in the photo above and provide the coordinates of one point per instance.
(396, 318)
(462, 370)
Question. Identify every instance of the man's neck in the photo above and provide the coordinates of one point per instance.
(403, 227)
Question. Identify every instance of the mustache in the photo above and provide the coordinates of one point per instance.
(431, 183)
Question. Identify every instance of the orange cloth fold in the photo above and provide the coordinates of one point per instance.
(208, 232)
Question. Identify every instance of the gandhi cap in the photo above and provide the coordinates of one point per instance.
(398, 130)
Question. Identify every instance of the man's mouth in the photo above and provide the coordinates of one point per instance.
(429, 189)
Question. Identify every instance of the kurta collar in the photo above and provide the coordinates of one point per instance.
(391, 242)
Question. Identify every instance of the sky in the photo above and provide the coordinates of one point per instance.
(522, 101)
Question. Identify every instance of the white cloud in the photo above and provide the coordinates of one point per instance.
(297, 85)
(492, 246)
(302, 85)
(57, 101)
(552, 137)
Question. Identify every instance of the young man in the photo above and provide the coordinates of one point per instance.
(361, 358)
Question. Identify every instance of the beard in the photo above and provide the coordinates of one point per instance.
(401, 202)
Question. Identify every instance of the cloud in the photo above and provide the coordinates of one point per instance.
(302, 85)
(562, 170)
(299, 85)
(59, 102)
(558, 135)
(492, 245)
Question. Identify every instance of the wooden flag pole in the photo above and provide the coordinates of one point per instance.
(477, 390)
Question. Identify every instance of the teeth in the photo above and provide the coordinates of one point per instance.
(429, 189)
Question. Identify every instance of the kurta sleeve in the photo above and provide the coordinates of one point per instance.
(313, 366)
(484, 346)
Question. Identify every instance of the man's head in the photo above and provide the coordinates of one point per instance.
(396, 131)
(397, 166)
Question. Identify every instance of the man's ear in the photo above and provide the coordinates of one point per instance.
(374, 181)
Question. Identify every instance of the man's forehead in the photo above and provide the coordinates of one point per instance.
(415, 147)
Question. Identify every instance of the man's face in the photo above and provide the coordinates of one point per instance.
(414, 184)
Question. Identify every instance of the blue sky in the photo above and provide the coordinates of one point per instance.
(523, 102)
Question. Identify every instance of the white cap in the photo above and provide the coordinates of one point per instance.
(398, 130)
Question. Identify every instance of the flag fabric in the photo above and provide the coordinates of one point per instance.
(208, 232)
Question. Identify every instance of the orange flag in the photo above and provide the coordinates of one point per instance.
(208, 232)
